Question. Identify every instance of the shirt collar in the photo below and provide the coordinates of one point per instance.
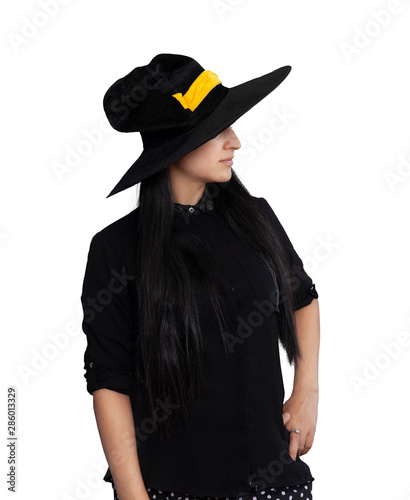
(205, 204)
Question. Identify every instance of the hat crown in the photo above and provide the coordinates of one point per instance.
(144, 99)
(173, 73)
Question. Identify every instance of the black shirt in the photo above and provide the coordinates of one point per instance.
(235, 440)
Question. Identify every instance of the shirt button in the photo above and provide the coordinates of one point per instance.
(91, 365)
(191, 209)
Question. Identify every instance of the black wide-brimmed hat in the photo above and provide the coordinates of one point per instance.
(177, 106)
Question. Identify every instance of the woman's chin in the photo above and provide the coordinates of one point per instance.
(222, 176)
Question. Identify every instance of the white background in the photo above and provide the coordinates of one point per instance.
(337, 175)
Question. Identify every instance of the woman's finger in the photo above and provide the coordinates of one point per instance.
(308, 443)
(286, 418)
(302, 442)
(293, 444)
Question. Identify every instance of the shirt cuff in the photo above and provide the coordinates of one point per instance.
(100, 377)
(308, 297)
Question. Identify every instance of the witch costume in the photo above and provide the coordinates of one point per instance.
(235, 444)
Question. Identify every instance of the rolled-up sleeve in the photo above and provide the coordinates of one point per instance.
(300, 281)
(108, 319)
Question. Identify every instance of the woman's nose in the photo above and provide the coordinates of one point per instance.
(233, 140)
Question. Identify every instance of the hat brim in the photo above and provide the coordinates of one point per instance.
(238, 101)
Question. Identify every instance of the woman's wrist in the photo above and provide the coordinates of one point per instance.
(300, 391)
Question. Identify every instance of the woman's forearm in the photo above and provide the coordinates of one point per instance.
(115, 424)
(307, 324)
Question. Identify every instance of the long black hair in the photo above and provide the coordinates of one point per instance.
(168, 339)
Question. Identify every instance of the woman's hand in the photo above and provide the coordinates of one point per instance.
(300, 411)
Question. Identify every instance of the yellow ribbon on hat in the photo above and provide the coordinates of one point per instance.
(198, 90)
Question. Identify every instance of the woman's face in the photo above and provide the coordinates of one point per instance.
(209, 162)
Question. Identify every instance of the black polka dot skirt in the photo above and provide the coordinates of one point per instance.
(298, 492)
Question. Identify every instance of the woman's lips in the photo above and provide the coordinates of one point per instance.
(229, 163)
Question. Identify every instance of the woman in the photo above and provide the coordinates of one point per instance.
(186, 299)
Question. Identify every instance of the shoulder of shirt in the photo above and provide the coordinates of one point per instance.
(120, 228)
(268, 210)
(263, 202)
(120, 235)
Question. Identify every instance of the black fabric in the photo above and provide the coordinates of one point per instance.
(235, 440)
(297, 492)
